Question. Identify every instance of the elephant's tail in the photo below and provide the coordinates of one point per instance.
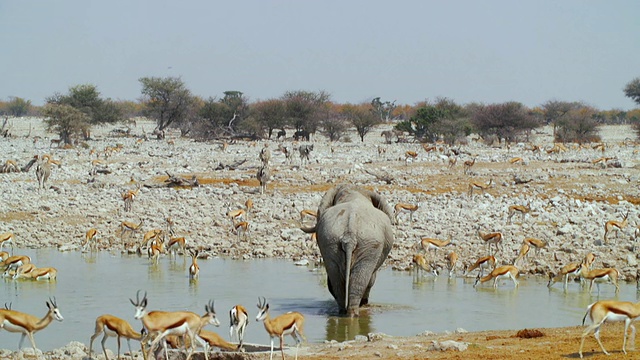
(309, 230)
(348, 249)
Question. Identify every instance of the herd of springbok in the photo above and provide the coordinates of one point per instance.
(178, 329)
(184, 329)
(181, 329)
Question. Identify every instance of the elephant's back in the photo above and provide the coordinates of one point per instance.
(355, 216)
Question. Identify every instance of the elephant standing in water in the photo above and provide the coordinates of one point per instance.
(354, 233)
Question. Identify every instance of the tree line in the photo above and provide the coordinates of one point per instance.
(171, 104)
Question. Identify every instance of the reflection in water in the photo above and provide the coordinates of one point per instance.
(346, 328)
(178, 265)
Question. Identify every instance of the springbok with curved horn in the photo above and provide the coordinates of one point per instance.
(291, 323)
(28, 325)
(615, 226)
(182, 323)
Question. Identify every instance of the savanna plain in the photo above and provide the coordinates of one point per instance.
(571, 193)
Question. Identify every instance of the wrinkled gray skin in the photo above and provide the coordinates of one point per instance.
(354, 234)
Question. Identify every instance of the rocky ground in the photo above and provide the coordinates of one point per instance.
(571, 197)
(523, 344)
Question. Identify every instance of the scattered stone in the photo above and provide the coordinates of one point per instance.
(376, 336)
(448, 345)
(360, 338)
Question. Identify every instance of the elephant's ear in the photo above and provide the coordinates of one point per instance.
(328, 200)
(380, 203)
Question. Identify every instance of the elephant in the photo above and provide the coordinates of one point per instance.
(355, 234)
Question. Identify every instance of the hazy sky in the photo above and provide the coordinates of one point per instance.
(409, 51)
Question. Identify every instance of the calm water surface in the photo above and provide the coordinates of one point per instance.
(92, 285)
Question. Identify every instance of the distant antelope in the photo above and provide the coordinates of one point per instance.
(288, 153)
(410, 155)
(235, 215)
(615, 226)
(536, 243)
(452, 161)
(493, 238)
(475, 185)
(588, 260)
(522, 253)
(169, 222)
(600, 275)
(429, 148)
(571, 269)
(248, 206)
(177, 242)
(194, 269)
(523, 210)
(151, 235)
(129, 196)
(6, 238)
(157, 248)
(89, 239)
(127, 226)
(434, 244)
(48, 273)
(405, 208)
(603, 161)
(242, 229)
(419, 262)
(452, 261)
(482, 263)
(56, 142)
(505, 271)
(468, 164)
